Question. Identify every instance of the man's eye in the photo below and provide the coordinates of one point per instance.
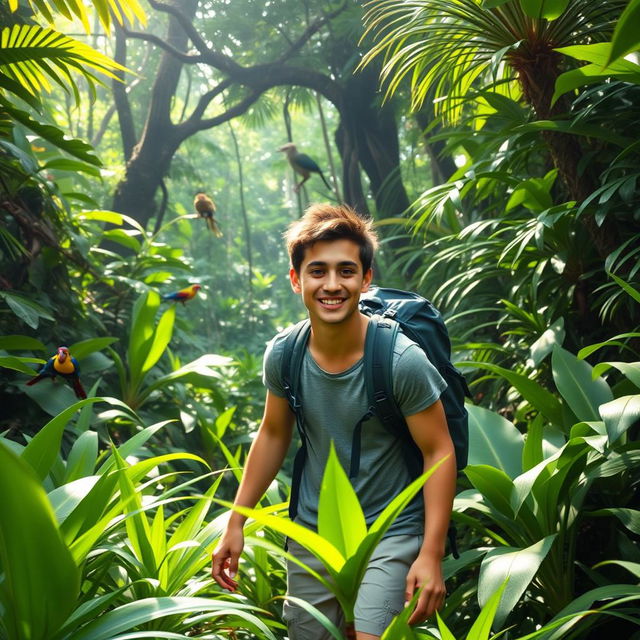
(348, 272)
(316, 272)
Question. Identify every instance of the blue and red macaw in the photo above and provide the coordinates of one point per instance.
(184, 294)
(65, 366)
(206, 209)
(302, 164)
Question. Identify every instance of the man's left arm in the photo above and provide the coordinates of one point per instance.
(430, 432)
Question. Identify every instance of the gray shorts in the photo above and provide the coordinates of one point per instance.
(380, 598)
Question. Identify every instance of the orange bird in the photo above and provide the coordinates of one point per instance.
(184, 294)
(206, 209)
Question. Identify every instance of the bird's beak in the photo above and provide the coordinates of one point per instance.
(62, 355)
(283, 148)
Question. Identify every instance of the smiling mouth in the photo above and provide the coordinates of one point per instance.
(332, 302)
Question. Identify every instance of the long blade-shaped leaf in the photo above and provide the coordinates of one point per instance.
(340, 517)
(41, 581)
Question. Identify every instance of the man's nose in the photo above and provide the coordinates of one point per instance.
(332, 281)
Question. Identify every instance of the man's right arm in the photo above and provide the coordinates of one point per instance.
(265, 458)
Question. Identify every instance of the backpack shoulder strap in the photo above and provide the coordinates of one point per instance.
(378, 362)
(292, 355)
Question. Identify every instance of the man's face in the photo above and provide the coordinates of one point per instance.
(331, 280)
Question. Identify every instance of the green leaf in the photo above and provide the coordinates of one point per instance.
(532, 392)
(27, 310)
(631, 370)
(20, 364)
(82, 458)
(65, 164)
(549, 9)
(634, 293)
(482, 626)
(43, 450)
(41, 582)
(340, 517)
(574, 381)
(125, 239)
(620, 414)
(21, 343)
(142, 333)
(632, 567)
(625, 37)
(134, 614)
(494, 441)
(543, 346)
(54, 135)
(518, 566)
(83, 348)
(65, 498)
(161, 338)
(102, 216)
(494, 484)
(310, 540)
(615, 341)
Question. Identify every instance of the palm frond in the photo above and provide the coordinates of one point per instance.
(71, 9)
(32, 57)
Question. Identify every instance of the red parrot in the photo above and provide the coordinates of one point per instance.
(63, 365)
(206, 209)
(184, 294)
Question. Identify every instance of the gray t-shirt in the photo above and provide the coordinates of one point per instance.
(332, 409)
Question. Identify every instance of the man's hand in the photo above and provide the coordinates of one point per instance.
(425, 572)
(224, 562)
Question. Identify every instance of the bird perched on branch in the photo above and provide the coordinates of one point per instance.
(184, 294)
(206, 209)
(302, 164)
(63, 365)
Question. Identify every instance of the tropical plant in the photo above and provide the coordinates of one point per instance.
(80, 557)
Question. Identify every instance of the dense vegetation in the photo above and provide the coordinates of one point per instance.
(495, 144)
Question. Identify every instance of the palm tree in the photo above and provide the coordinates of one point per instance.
(449, 47)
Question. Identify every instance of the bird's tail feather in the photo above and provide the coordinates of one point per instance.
(325, 181)
(34, 380)
(79, 389)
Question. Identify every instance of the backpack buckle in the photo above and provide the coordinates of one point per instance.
(380, 396)
(389, 313)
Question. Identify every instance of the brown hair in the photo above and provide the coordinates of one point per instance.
(326, 222)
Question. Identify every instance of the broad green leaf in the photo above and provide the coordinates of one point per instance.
(102, 216)
(141, 333)
(549, 9)
(41, 581)
(543, 346)
(532, 392)
(494, 484)
(20, 343)
(20, 364)
(399, 628)
(134, 614)
(632, 567)
(518, 566)
(630, 370)
(494, 441)
(310, 540)
(82, 458)
(83, 348)
(124, 238)
(626, 37)
(586, 600)
(532, 451)
(615, 341)
(137, 525)
(42, 451)
(445, 633)
(620, 414)
(161, 338)
(27, 310)
(630, 518)
(574, 381)
(340, 517)
(68, 496)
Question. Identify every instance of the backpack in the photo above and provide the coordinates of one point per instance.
(390, 311)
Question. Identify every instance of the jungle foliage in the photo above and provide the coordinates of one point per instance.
(511, 126)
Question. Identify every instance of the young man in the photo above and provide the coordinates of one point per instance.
(331, 250)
